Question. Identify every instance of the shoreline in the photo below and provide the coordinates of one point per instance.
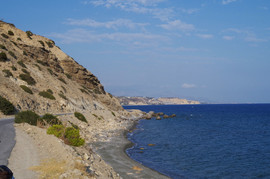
(113, 153)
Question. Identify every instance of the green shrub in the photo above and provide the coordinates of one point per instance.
(73, 125)
(80, 116)
(68, 75)
(50, 71)
(29, 34)
(96, 91)
(5, 36)
(7, 73)
(3, 57)
(28, 79)
(6, 107)
(45, 94)
(110, 95)
(38, 66)
(24, 53)
(72, 137)
(57, 130)
(113, 114)
(10, 33)
(26, 89)
(29, 117)
(25, 71)
(51, 119)
(84, 91)
(13, 68)
(64, 89)
(19, 39)
(42, 63)
(3, 47)
(50, 44)
(21, 64)
(42, 43)
(49, 91)
(14, 43)
(62, 96)
(12, 54)
(61, 79)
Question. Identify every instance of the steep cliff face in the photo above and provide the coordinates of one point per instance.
(35, 63)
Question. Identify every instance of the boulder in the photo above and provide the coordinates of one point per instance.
(158, 118)
(165, 116)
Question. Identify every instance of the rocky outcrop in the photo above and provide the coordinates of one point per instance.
(73, 86)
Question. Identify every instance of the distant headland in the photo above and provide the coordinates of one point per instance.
(154, 101)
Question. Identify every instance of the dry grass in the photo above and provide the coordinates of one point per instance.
(51, 168)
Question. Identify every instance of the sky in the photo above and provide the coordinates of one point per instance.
(215, 51)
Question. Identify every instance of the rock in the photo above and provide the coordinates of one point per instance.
(173, 115)
(165, 116)
(85, 157)
(158, 118)
(150, 145)
(160, 113)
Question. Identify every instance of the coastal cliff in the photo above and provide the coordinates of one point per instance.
(154, 101)
(36, 75)
(34, 63)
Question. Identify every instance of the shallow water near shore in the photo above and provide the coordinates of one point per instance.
(205, 141)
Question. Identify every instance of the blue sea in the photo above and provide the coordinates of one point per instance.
(205, 141)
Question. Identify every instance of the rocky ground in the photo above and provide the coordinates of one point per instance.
(39, 155)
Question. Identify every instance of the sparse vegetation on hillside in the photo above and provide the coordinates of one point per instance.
(51, 119)
(42, 63)
(12, 54)
(72, 137)
(29, 34)
(13, 68)
(7, 73)
(68, 76)
(42, 43)
(50, 71)
(3, 57)
(56, 130)
(84, 91)
(113, 114)
(10, 33)
(5, 36)
(24, 53)
(19, 39)
(25, 71)
(49, 91)
(62, 96)
(21, 64)
(65, 90)
(45, 94)
(50, 44)
(29, 117)
(38, 67)
(61, 79)
(3, 47)
(28, 79)
(6, 107)
(80, 116)
(26, 89)
(14, 43)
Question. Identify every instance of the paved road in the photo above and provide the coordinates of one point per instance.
(7, 139)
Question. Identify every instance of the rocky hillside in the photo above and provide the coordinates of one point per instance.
(153, 101)
(36, 74)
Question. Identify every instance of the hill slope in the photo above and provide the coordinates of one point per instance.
(33, 63)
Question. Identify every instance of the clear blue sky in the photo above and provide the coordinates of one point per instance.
(211, 50)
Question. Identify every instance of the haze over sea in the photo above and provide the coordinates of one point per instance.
(205, 141)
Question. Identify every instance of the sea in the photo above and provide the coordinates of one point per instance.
(205, 141)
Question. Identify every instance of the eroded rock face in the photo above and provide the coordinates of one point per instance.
(73, 86)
